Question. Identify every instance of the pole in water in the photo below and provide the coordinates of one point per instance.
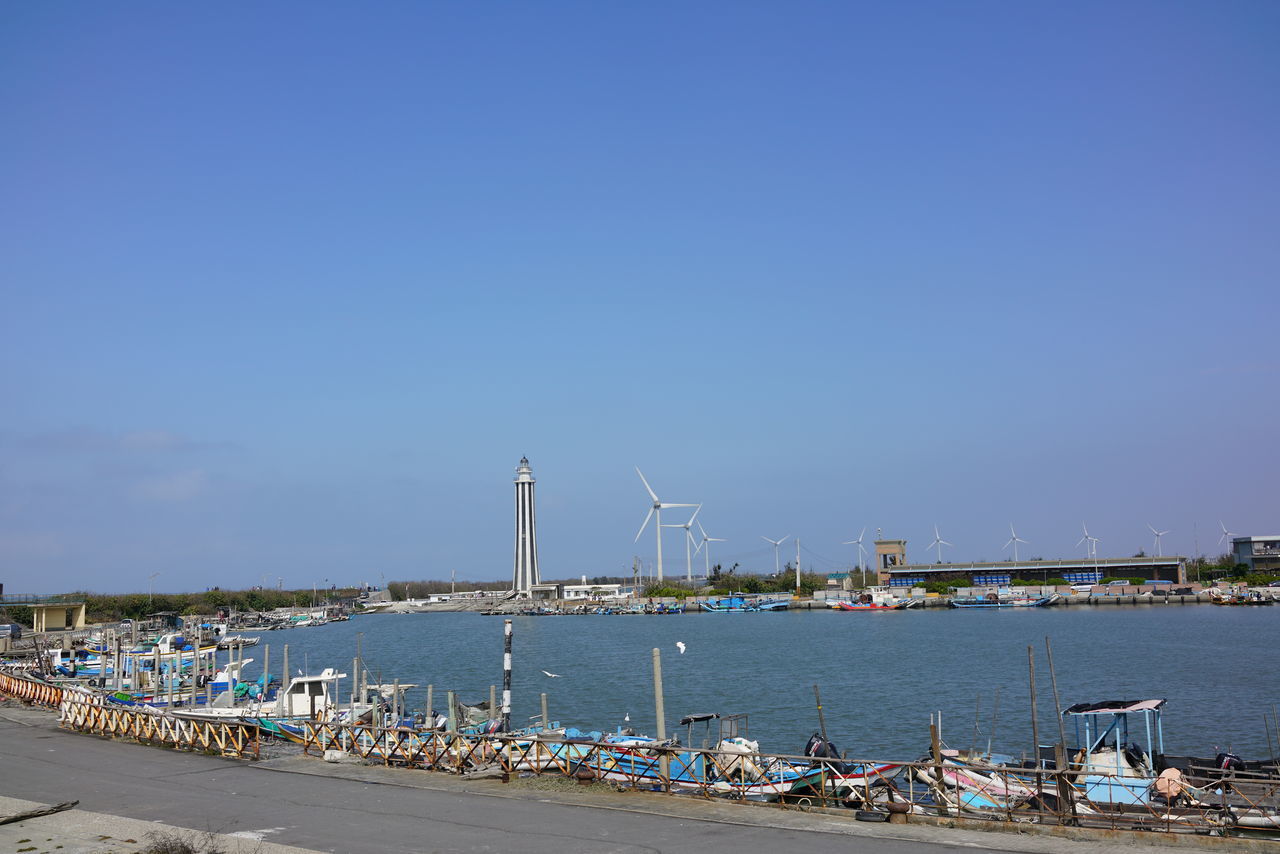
(1057, 703)
(284, 684)
(546, 720)
(1035, 727)
(822, 721)
(660, 711)
(506, 676)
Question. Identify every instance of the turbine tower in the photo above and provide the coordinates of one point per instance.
(688, 538)
(862, 551)
(703, 545)
(777, 567)
(1092, 548)
(937, 543)
(526, 564)
(1014, 539)
(655, 509)
(1158, 534)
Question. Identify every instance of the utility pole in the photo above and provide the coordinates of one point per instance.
(797, 566)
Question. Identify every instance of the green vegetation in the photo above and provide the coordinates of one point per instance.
(112, 607)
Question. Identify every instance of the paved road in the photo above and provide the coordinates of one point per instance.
(300, 802)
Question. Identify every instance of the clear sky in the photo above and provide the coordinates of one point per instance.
(287, 289)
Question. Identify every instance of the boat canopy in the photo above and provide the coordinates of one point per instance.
(1114, 707)
(697, 719)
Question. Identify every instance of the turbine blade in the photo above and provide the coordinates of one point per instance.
(647, 487)
(695, 515)
(783, 540)
(702, 531)
(668, 506)
(643, 526)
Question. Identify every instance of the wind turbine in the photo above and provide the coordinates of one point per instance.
(777, 568)
(1158, 534)
(862, 553)
(688, 538)
(937, 542)
(657, 509)
(1226, 535)
(703, 545)
(1014, 539)
(1092, 548)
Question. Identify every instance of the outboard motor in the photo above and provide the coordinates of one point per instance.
(821, 749)
(1228, 762)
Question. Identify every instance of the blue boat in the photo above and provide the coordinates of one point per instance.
(738, 603)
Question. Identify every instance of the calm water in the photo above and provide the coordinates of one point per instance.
(881, 674)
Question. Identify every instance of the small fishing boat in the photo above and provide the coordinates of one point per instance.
(738, 603)
(1004, 600)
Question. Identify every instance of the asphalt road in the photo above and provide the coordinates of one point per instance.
(311, 804)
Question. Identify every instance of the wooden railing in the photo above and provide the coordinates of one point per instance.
(30, 690)
(86, 712)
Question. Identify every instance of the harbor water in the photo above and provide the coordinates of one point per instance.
(881, 674)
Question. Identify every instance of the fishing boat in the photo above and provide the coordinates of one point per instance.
(739, 603)
(1004, 599)
(1119, 767)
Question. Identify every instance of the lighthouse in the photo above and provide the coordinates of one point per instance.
(526, 562)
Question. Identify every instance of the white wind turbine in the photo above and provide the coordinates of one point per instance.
(1158, 534)
(777, 567)
(1227, 536)
(1014, 539)
(938, 542)
(656, 509)
(862, 552)
(703, 545)
(688, 538)
(1092, 548)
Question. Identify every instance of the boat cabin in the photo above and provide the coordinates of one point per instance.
(309, 696)
(1120, 742)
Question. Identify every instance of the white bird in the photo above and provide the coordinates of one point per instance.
(680, 646)
(627, 717)
(552, 675)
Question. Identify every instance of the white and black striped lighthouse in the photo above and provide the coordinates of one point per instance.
(526, 569)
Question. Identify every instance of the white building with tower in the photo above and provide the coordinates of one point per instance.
(526, 576)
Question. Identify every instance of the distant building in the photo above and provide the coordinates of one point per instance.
(894, 571)
(1260, 554)
(1001, 573)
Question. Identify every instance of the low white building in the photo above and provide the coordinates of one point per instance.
(592, 591)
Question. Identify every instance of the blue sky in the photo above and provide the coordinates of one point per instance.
(287, 290)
